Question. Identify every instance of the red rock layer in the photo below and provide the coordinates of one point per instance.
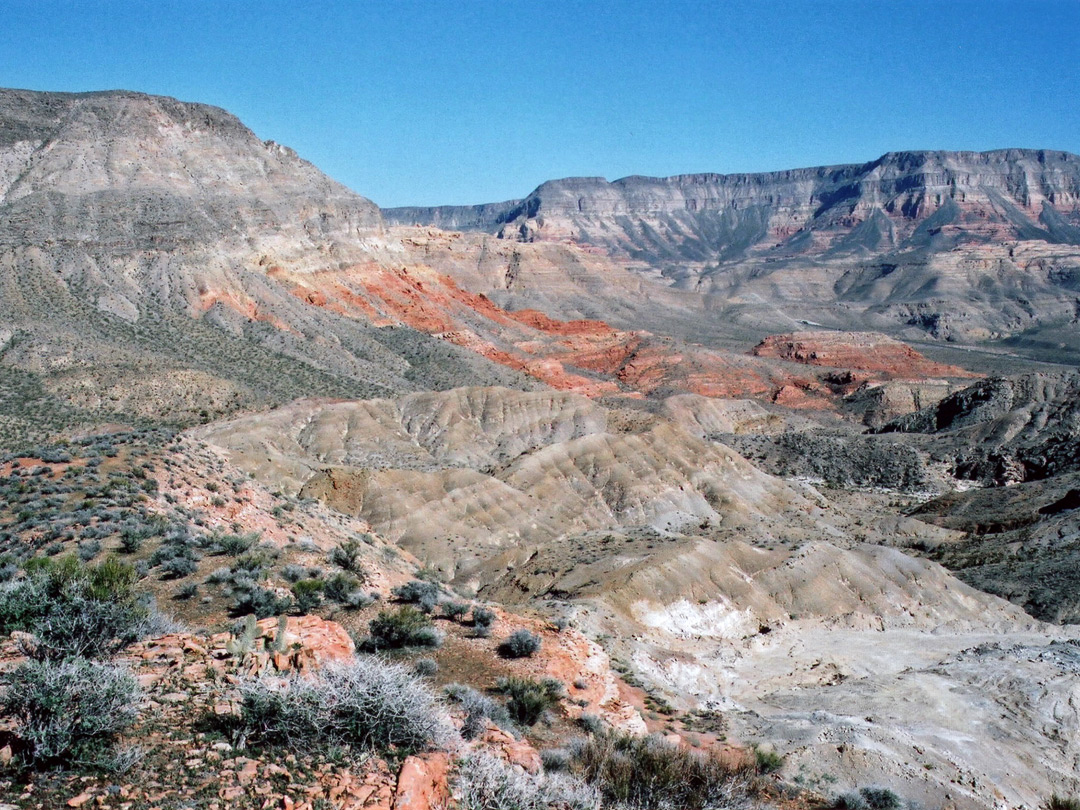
(856, 351)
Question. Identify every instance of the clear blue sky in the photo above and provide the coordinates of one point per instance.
(465, 102)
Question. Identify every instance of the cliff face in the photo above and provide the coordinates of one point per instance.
(966, 196)
(963, 245)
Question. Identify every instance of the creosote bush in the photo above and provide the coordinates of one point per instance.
(308, 594)
(69, 712)
(347, 556)
(528, 699)
(365, 703)
(404, 627)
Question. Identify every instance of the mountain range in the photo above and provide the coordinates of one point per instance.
(966, 246)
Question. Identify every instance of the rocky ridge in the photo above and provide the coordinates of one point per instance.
(961, 245)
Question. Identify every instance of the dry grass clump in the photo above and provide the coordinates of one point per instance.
(644, 773)
(365, 703)
(68, 712)
(485, 782)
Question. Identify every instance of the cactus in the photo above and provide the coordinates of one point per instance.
(279, 638)
(244, 643)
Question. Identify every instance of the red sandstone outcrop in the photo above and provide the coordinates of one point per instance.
(858, 351)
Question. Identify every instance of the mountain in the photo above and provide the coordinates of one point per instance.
(966, 246)
(159, 262)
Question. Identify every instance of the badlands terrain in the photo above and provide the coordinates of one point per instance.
(785, 467)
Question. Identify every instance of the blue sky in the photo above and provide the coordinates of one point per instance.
(466, 102)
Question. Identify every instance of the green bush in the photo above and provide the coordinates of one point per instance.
(879, 798)
(482, 616)
(347, 556)
(404, 627)
(232, 545)
(528, 699)
(454, 610)
(341, 586)
(70, 711)
(768, 761)
(73, 609)
(308, 594)
(261, 601)
(418, 592)
(366, 703)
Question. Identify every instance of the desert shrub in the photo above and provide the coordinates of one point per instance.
(640, 773)
(768, 761)
(850, 800)
(520, 644)
(425, 667)
(347, 556)
(263, 602)
(178, 567)
(528, 699)
(232, 545)
(485, 782)
(357, 600)
(254, 564)
(1056, 802)
(592, 723)
(478, 707)
(404, 627)
(8, 569)
(73, 609)
(418, 592)
(365, 702)
(293, 572)
(189, 591)
(454, 610)
(218, 576)
(340, 586)
(130, 541)
(88, 549)
(68, 711)
(880, 798)
(555, 760)
(308, 594)
(482, 616)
